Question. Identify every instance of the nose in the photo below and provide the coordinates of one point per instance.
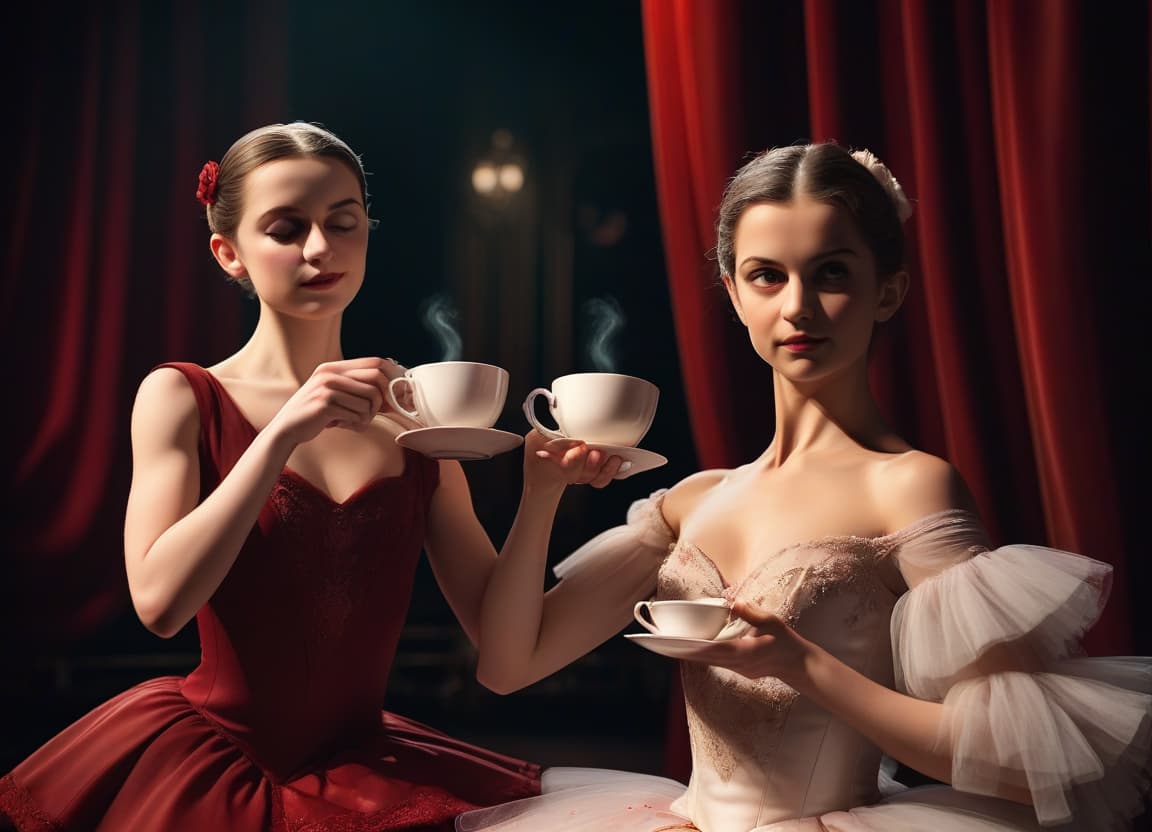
(799, 299)
(317, 248)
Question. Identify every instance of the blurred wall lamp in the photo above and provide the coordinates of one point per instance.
(500, 173)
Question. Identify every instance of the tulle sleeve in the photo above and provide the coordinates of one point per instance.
(633, 551)
(994, 634)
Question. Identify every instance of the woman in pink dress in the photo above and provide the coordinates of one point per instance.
(879, 623)
(270, 501)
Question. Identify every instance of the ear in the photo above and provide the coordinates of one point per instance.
(734, 296)
(227, 256)
(892, 294)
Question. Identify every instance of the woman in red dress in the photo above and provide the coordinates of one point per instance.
(270, 501)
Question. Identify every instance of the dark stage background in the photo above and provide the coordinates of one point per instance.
(566, 274)
(1019, 127)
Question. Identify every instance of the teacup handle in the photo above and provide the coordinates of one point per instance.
(530, 412)
(642, 613)
(411, 414)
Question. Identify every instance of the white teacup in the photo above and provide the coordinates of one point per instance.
(605, 408)
(698, 618)
(453, 393)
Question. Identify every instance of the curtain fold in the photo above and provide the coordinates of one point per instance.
(1015, 352)
(124, 104)
(1037, 84)
(694, 147)
(967, 315)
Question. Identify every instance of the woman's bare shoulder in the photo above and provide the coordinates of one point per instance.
(165, 385)
(165, 404)
(911, 485)
(685, 495)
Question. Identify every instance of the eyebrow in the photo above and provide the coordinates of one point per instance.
(284, 209)
(768, 261)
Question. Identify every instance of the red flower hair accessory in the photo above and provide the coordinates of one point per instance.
(206, 186)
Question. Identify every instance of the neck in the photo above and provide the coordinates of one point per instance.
(289, 349)
(826, 416)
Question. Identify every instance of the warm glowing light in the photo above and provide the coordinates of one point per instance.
(499, 174)
(511, 177)
(485, 178)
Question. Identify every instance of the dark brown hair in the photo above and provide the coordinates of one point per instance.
(825, 172)
(295, 140)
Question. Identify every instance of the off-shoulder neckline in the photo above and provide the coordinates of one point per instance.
(913, 528)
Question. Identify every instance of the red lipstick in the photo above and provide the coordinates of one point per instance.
(801, 343)
(323, 281)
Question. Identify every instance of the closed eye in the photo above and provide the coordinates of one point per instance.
(287, 230)
(284, 230)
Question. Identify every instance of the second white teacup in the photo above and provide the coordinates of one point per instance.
(694, 618)
(453, 393)
(606, 408)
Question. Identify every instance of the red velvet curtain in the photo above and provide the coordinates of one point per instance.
(1021, 131)
(96, 291)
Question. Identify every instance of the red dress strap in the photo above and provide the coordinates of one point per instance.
(225, 431)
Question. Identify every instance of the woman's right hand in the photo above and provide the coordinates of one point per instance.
(339, 394)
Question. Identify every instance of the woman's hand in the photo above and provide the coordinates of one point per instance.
(770, 648)
(339, 394)
(561, 462)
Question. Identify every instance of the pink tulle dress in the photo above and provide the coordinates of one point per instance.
(280, 726)
(911, 610)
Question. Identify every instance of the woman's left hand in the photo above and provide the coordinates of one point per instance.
(561, 462)
(769, 648)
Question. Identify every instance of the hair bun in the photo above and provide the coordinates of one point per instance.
(880, 170)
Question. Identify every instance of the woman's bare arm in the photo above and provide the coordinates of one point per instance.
(527, 634)
(177, 551)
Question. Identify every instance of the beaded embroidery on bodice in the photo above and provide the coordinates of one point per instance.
(924, 602)
(732, 718)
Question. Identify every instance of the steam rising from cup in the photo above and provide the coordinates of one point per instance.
(607, 318)
(440, 318)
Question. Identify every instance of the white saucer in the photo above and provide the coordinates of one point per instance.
(641, 459)
(676, 647)
(459, 443)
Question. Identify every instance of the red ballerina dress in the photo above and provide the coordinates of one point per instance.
(280, 726)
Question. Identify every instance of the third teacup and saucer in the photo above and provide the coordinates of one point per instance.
(458, 402)
(679, 627)
(609, 412)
